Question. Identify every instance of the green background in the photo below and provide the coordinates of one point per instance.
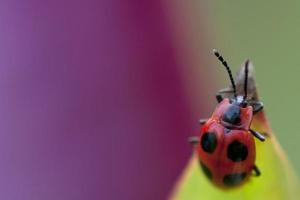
(267, 32)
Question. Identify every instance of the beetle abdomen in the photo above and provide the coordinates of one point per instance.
(226, 156)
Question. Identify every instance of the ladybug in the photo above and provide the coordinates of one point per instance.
(226, 146)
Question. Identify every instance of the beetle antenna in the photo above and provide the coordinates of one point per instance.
(246, 80)
(217, 54)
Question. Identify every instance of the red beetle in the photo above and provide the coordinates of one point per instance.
(226, 146)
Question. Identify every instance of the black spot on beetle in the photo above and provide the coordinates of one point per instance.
(234, 179)
(237, 151)
(209, 142)
(206, 170)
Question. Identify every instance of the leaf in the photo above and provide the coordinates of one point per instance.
(278, 180)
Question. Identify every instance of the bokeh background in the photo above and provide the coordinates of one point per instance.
(97, 98)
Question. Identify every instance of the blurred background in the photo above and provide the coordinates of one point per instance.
(98, 98)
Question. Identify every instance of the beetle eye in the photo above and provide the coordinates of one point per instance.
(232, 115)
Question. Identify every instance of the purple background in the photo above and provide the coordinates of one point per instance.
(92, 101)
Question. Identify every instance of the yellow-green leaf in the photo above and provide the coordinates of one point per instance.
(278, 180)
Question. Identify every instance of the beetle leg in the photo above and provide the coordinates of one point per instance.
(257, 135)
(256, 170)
(226, 91)
(219, 98)
(257, 106)
(194, 140)
(202, 121)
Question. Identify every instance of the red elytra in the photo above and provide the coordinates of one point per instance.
(223, 171)
(226, 146)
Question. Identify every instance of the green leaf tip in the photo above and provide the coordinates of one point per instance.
(278, 180)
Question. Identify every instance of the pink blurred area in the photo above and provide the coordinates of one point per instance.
(93, 103)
